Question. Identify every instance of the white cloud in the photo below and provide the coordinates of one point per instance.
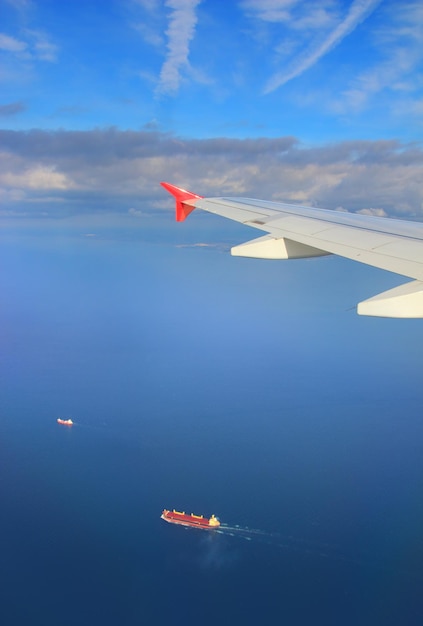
(45, 50)
(38, 177)
(148, 21)
(297, 14)
(400, 44)
(270, 10)
(119, 171)
(372, 211)
(41, 48)
(392, 74)
(359, 10)
(149, 34)
(201, 245)
(315, 18)
(11, 44)
(136, 212)
(34, 45)
(180, 32)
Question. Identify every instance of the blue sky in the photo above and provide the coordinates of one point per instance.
(313, 102)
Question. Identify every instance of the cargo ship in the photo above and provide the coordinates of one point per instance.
(196, 521)
(64, 422)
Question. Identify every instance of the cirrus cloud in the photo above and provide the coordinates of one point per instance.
(358, 11)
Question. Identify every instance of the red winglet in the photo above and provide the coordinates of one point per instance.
(183, 209)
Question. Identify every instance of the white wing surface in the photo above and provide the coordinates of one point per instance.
(298, 232)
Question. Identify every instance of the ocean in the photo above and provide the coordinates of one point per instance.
(211, 385)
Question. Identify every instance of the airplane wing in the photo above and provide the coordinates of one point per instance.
(295, 232)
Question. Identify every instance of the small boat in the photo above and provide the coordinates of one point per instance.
(64, 422)
(196, 521)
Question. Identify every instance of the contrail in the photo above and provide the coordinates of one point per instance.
(180, 32)
(358, 12)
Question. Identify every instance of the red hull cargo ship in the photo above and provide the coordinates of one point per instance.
(196, 521)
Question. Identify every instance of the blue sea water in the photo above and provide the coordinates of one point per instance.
(212, 385)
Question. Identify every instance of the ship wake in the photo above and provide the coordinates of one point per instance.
(286, 542)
